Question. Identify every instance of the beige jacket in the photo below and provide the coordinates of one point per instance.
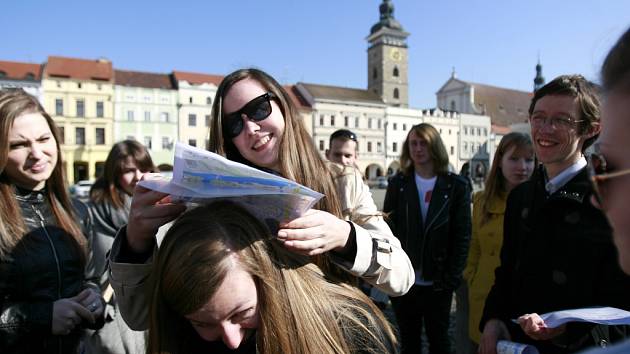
(380, 260)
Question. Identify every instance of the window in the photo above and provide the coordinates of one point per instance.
(346, 121)
(395, 73)
(478, 131)
(370, 123)
(332, 121)
(452, 150)
(379, 147)
(208, 100)
(62, 135)
(449, 132)
(321, 120)
(58, 84)
(79, 136)
(99, 109)
(130, 116)
(165, 143)
(379, 123)
(485, 131)
(374, 73)
(404, 127)
(369, 146)
(147, 116)
(466, 130)
(190, 99)
(453, 106)
(192, 142)
(356, 122)
(164, 117)
(465, 147)
(80, 108)
(78, 85)
(394, 126)
(147, 142)
(99, 87)
(192, 121)
(321, 145)
(100, 136)
(396, 93)
(395, 147)
(440, 131)
(207, 120)
(59, 107)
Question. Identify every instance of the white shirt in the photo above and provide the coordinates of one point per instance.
(425, 191)
(554, 184)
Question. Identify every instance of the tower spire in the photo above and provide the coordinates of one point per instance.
(539, 80)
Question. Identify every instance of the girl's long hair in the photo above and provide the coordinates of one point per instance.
(496, 184)
(107, 187)
(300, 310)
(299, 159)
(14, 103)
(439, 156)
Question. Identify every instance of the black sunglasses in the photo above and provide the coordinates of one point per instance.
(598, 173)
(256, 110)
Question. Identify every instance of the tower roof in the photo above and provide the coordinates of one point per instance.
(387, 19)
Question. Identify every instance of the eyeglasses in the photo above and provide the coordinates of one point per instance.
(598, 173)
(256, 110)
(343, 133)
(539, 120)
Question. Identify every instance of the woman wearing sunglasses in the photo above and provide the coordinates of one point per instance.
(256, 123)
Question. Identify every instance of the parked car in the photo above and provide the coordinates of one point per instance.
(81, 189)
(381, 182)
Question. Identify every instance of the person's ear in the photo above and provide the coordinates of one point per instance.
(592, 130)
(327, 153)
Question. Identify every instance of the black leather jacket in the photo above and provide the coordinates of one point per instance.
(437, 248)
(43, 267)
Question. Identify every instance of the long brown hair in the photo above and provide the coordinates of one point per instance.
(298, 157)
(107, 187)
(14, 103)
(496, 184)
(300, 310)
(439, 156)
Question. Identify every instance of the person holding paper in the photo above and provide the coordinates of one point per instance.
(222, 276)
(557, 249)
(255, 122)
(610, 165)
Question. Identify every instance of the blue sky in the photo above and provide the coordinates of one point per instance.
(495, 42)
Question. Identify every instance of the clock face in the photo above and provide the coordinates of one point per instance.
(395, 54)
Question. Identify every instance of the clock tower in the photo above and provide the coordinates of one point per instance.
(387, 58)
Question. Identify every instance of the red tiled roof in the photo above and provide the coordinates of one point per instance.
(504, 106)
(142, 79)
(197, 78)
(20, 71)
(297, 99)
(81, 69)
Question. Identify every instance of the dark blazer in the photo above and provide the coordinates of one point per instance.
(438, 247)
(557, 254)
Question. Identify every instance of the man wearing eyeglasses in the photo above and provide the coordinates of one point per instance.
(557, 249)
(610, 164)
(343, 147)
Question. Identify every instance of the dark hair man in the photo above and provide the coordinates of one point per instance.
(343, 147)
(557, 249)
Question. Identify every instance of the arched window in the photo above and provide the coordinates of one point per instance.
(29, 76)
(208, 100)
(396, 93)
(374, 73)
(2, 74)
(395, 72)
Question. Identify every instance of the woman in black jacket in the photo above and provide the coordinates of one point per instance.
(429, 212)
(45, 299)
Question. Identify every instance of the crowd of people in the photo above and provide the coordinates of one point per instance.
(135, 271)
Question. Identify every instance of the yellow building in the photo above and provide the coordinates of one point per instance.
(78, 95)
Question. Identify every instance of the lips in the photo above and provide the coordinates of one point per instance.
(260, 143)
(546, 143)
(38, 167)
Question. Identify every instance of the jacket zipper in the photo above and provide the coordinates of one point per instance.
(54, 250)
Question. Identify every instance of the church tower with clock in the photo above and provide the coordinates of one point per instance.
(387, 58)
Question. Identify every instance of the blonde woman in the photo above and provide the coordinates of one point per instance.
(220, 275)
(513, 164)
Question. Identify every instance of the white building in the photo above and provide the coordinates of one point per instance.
(26, 76)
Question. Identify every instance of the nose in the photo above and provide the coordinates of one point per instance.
(345, 161)
(232, 335)
(249, 125)
(138, 175)
(36, 152)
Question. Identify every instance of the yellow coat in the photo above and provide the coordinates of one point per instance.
(483, 258)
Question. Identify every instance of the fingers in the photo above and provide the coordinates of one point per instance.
(310, 219)
(308, 248)
(82, 312)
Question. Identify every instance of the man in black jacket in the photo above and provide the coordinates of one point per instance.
(429, 212)
(557, 250)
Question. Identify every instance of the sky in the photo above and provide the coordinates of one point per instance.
(494, 42)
